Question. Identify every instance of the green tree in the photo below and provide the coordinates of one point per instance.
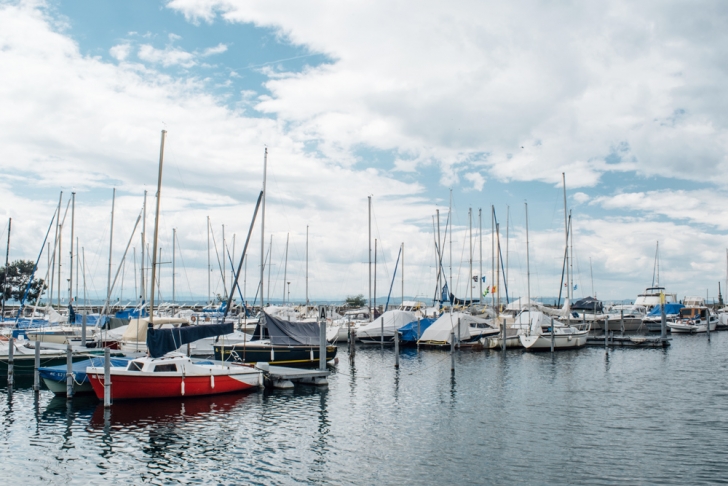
(356, 301)
(14, 280)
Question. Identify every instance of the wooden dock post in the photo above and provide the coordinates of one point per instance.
(322, 337)
(396, 349)
(69, 372)
(36, 365)
(452, 351)
(107, 377)
(606, 334)
(503, 343)
(458, 333)
(352, 344)
(552, 334)
(707, 324)
(11, 349)
(663, 323)
(621, 321)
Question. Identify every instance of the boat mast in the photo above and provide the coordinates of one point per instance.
(375, 275)
(156, 228)
(571, 257)
(492, 255)
(307, 268)
(174, 266)
(657, 261)
(438, 251)
(5, 275)
(528, 266)
(60, 260)
(73, 221)
(224, 263)
(480, 237)
(403, 272)
(135, 275)
(371, 308)
(262, 228)
(470, 256)
(209, 265)
(566, 237)
(111, 243)
(142, 285)
(52, 265)
(78, 267)
(285, 269)
(449, 217)
(497, 266)
(591, 273)
(270, 264)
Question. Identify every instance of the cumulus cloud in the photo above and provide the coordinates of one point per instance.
(169, 56)
(120, 51)
(525, 90)
(477, 180)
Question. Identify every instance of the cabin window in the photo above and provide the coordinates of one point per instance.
(135, 366)
(165, 368)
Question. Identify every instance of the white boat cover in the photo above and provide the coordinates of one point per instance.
(440, 330)
(137, 330)
(535, 320)
(516, 305)
(392, 320)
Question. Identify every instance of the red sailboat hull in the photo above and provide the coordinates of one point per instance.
(125, 387)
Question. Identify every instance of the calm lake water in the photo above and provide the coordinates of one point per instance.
(638, 416)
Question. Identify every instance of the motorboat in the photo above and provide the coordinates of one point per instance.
(693, 319)
(542, 331)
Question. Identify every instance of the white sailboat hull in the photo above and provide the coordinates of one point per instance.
(561, 341)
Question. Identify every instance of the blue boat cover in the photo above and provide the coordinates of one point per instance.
(58, 373)
(287, 333)
(132, 313)
(163, 341)
(408, 332)
(669, 309)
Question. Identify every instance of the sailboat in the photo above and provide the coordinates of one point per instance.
(165, 372)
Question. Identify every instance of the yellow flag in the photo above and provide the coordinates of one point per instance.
(662, 298)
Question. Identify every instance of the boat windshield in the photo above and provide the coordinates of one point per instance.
(135, 366)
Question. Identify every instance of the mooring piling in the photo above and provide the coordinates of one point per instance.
(36, 371)
(107, 377)
(69, 372)
(396, 349)
(452, 351)
(11, 346)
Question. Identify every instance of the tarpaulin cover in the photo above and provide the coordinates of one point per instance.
(408, 332)
(58, 373)
(163, 341)
(132, 313)
(669, 309)
(587, 304)
(287, 333)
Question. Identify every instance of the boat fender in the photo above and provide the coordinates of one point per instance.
(183, 386)
(212, 380)
(193, 319)
(311, 353)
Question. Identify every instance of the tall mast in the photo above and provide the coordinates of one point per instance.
(60, 259)
(658, 263)
(450, 220)
(439, 253)
(497, 266)
(375, 274)
(493, 283)
(270, 264)
(528, 265)
(142, 284)
(571, 258)
(285, 268)
(136, 288)
(232, 274)
(371, 308)
(111, 243)
(73, 222)
(480, 236)
(156, 228)
(209, 266)
(591, 273)
(174, 266)
(5, 275)
(262, 227)
(224, 262)
(78, 263)
(53, 255)
(566, 236)
(470, 255)
(307, 267)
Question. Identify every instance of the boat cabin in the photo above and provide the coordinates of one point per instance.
(694, 313)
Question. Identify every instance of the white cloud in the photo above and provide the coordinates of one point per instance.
(120, 51)
(169, 56)
(477, 180)
(580, 197)
(584, 88)
(211, 51)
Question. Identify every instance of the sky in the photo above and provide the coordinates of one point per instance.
(408, 102)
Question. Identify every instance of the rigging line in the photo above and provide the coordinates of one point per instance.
(381, 243)
(184, 268)
(217, 254)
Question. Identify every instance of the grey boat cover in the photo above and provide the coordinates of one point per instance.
(163, 341)
(287, 333)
